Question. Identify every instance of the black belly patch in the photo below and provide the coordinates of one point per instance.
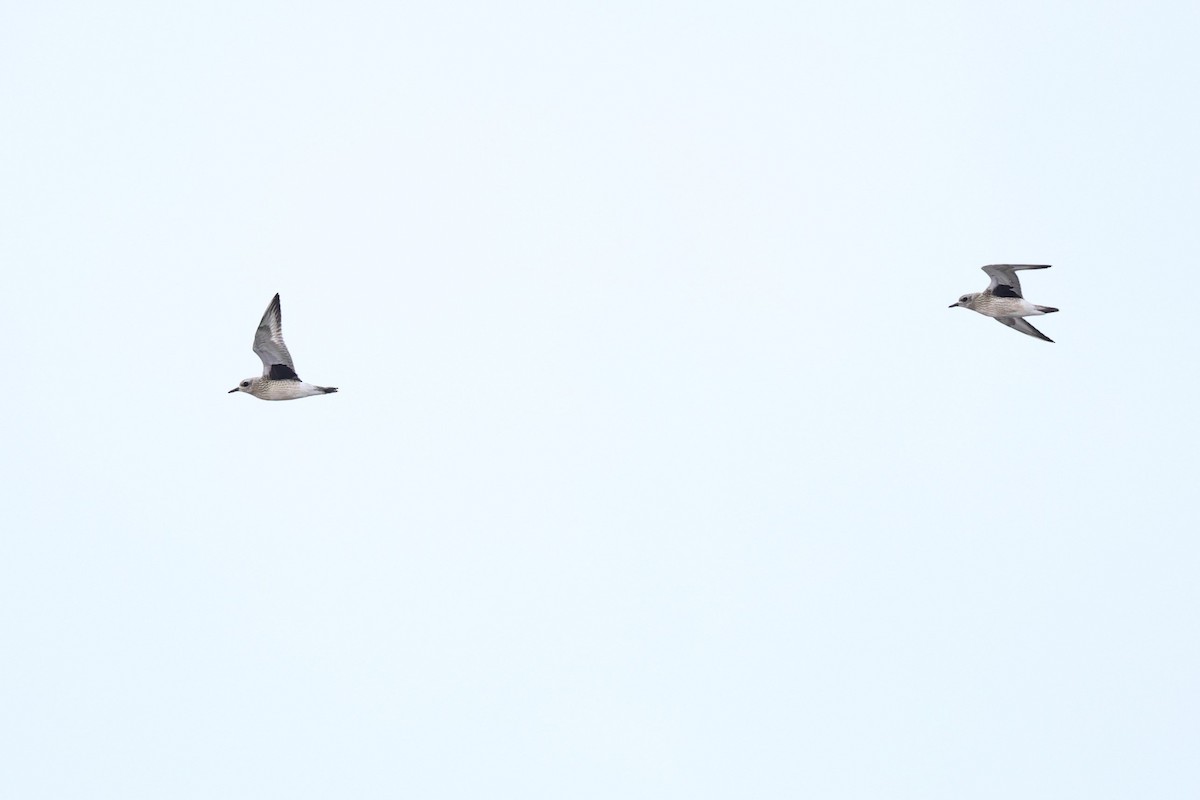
(282, 372)
(1004, 290)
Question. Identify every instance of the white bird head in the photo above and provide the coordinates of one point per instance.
(966, 301)
(248, 385)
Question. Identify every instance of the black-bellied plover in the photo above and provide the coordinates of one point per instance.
(279, 380)
(1002, 300)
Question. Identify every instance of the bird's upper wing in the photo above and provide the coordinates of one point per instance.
(268, 344)
(1004, 278)
(1022, 325)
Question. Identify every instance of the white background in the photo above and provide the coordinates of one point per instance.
(660, 468)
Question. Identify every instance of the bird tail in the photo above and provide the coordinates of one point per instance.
(1046, 309)
(328, 389)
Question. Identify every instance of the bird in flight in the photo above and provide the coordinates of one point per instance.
(279, 380)
(1002, 299)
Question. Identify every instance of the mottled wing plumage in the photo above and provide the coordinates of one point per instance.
(1022, 325)
(1004, 278)
(269, 346)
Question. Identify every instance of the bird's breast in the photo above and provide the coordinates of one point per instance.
(991, 306)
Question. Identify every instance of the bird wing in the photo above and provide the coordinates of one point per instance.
(1022, 325)
(269, 346)
(1004, 278)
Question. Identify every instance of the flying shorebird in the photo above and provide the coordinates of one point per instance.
(279, 380)
(1002, 300)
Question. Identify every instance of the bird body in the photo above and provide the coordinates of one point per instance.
(1003, 301)
(267, 389)
(992, 306)
(279, 380)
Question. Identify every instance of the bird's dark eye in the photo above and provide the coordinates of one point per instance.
(245, 384)
(962, 299)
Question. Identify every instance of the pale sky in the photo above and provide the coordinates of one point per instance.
(660, 467)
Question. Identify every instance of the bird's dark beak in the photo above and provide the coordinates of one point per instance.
(231, 391)
(952, 305)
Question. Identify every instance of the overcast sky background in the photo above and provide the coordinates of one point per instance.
(660, 467)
